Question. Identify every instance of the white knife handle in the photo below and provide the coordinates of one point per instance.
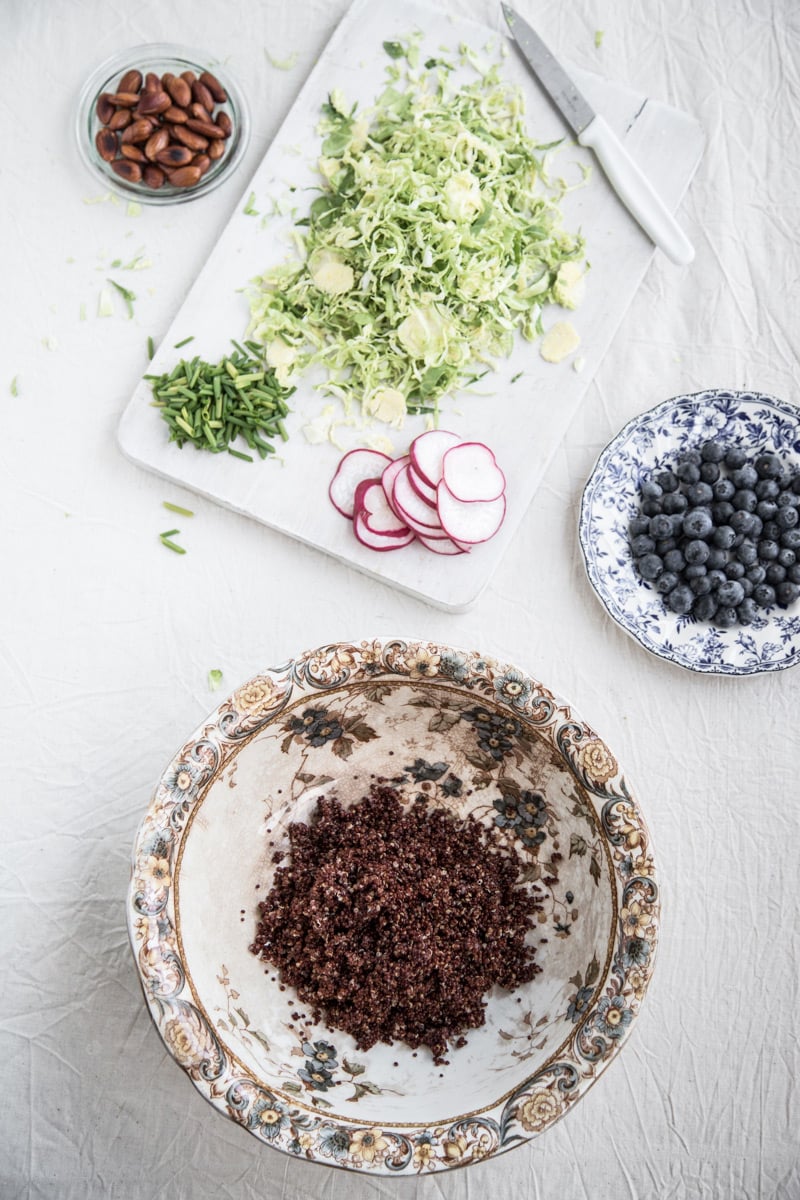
(636, 193)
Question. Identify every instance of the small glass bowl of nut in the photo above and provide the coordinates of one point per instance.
(162, 124)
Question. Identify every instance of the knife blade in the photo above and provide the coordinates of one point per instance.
(591, 129)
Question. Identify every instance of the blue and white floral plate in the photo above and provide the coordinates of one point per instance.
(450, 729)
(647, 443)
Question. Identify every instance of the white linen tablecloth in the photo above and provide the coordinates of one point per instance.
(107, 639)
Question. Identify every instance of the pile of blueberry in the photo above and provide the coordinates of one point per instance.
(719, 534)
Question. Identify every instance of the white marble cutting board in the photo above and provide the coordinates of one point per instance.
(524, 421)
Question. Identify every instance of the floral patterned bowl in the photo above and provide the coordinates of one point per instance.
(463, 732)
(649, 442)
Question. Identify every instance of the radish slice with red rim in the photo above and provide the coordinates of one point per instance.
(469, 521)
(443, 545)
(379, 541)
(389, 475)
(470, 472)
(353, 469)
(410, 506)
(423, 489)
(379, 516)
(427, 451)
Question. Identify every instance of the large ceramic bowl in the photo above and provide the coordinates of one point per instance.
(648, 443)
(463, 732)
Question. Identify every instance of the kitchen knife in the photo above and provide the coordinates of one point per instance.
(592, 130)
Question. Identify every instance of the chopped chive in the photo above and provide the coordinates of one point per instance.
(518, 375)
(238, 454)
(127, 295)
(214, 679)
(185, 342)
(176, 508)
(14, 389)
(249, 210)
(165, 541)
(151, 349)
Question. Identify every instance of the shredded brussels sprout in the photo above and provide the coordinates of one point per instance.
(435, 237)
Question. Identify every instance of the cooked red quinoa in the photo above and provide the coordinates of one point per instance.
(393, 922)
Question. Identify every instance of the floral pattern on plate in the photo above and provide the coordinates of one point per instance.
(649, 443)
(449, 728)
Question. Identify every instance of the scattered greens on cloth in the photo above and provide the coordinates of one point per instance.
(210, 405)
(435, 237)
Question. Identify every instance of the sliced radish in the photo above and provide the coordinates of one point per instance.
(378, 541)
(379, 516)
(443, 545)
(427, 451)
(354, 468)
(409, 505)
(423, 489)
(390, 474)
(469, 521)
(470, 472)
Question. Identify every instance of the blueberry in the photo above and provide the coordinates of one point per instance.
(756, 573)
(680, 599)
(688, 472)
(692, 456)
(640, 524)
(746, 611)
(704, 608)
(787, 518)
(674, 560)
(775, 574)
(735, 458)
(758, 526)
(696, 551)
(722, 511)
(768, 466)
(766, 489)
(747, 553)
(709, 472)
(723, 536)
(786, 593)
(786, 499)
(723, 489)
(766, 509)
(768, 550)
(717, 577)
(747, 586)
(699, 493)
(712, 452)
(661, 526)
(665, 544)
(642, 544)
(666, 582)
(650, 490)
(734, 570)
(764, 595)
(730, 593)
(701, 585)
(745, 498)
(793, 573)
(796, 484)
(667, 481)
(787, 558)
(694, 571)
(741, 521)
(651, 507)
(725, 617)
(745, 476)
(771, 531)
(649, 566)
(697, 523)
(791, 539)
(717, 558)
(674, 502)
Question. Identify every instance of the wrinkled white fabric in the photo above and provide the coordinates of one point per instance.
(107, 639)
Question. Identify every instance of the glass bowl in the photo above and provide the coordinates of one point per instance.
(160, 59)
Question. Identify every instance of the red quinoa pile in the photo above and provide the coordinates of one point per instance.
(393, 922)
